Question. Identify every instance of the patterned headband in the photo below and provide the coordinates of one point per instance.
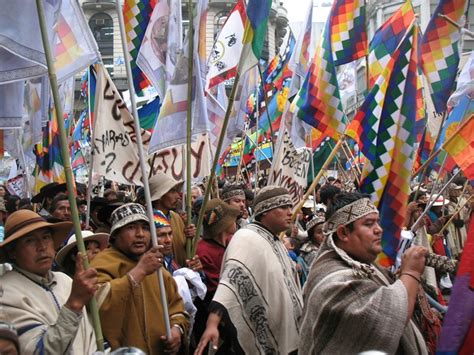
(349, 214)
(233, 193)
(314, 222)
(271, 203)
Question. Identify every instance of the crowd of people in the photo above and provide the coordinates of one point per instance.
(258, 283)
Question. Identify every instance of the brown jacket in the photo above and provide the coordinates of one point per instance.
(134, 316)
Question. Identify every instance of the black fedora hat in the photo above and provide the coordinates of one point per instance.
(49, 190)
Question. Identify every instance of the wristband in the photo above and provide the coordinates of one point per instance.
(412, 276)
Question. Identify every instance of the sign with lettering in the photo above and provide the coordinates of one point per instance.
(114, 145)
(291, 168)
(16, 186)
(172, 161)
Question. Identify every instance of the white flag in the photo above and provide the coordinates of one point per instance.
(170, 127)
(161, 44)
(21, 47)
(75, 47)
(114, 148)
(227, 49)
(22, 54)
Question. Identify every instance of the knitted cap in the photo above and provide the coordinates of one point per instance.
(126, 214)
(160, 219)
(218, 217)
(314, 222)
(271, 197)
(231, 191)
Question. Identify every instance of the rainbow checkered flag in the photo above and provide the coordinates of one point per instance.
(344, 40)
(254, 33)
(384, 128)
(440, 50)
(136, 14)
(386, 40)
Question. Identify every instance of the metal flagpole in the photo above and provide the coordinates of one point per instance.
(94, 311)
(189, 242)
(428, 207)
(141, 154)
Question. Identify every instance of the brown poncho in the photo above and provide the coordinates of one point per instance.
(351, 307)
(134, 316)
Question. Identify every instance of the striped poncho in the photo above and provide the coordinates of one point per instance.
(351, 307)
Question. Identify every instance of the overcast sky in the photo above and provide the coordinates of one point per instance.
(297, 9)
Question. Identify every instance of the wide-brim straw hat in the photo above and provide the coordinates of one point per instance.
(22, 222)
(160, 184)
(101, 238)
(218, 216)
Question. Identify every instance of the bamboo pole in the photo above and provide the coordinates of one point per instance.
(93, 309)
(143, 168)
(189, 242)
(216, 158)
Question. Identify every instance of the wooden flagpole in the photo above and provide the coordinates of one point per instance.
(143, 167)
(93, 309)
(318, 177)
(91, 161)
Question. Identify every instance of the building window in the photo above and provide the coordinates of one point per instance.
(102, 27)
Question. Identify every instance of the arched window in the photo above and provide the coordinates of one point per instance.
(219, 21)
(102, 27)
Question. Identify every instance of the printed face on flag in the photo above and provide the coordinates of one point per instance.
(161, 44)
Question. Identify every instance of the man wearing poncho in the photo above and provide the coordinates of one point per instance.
(258, 300)
(351, 305)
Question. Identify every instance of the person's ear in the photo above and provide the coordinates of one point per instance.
(342, 233)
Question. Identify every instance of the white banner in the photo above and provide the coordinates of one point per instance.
(172, 161)
(16, 186)
(114, 149)
(291, 168)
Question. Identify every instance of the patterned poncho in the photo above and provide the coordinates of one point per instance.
(260, 291)
(351, 307)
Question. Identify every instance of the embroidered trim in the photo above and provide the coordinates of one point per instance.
(359, 269)
(271, 203)
(290, 281)
(253, 307)
(349, 214)
(233, 193)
